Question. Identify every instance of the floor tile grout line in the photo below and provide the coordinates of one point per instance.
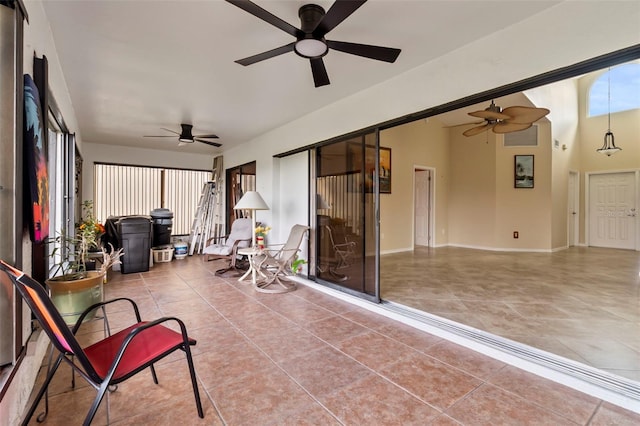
(375, 372)
(593, 414)
(255, 345)
(249, 339)
(482, 381)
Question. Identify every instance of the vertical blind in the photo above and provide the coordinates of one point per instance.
(135, 190)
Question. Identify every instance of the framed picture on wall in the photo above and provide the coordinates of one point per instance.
(355, 164)
(523, 171)
(384, 175)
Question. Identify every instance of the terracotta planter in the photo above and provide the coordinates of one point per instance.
(73, 297)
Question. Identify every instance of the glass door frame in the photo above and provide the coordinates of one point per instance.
(375, 214)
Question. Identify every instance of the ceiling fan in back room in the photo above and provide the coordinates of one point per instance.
(508, 120)
(186, 137)
(310, 42)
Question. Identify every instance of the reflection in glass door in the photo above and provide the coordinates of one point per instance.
(345, 218)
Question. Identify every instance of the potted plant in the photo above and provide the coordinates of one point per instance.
(296, 265)
(261, 233)
(74, 286)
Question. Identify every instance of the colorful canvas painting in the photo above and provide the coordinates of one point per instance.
(35, 162)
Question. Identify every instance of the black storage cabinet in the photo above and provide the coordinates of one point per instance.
(162, 222)
(134, 236)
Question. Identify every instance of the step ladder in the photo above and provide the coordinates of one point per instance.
(208, 219)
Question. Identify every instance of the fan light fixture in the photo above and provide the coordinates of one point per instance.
(186, 136)
(609, 146)
(311, 48)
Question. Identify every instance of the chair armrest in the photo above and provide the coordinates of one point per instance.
(142, 327)
(220, 238)
(276, 256)
(349, 244)
(101, 304)
(236, 243)
(159, 321)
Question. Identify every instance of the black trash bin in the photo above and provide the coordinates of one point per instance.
(134, 236)
(162, 223)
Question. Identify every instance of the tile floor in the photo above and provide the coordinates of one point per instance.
(582, 303)
(306, 358)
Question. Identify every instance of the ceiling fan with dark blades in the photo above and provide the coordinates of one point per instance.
(310, 42)
(186, 137)
(511, 119)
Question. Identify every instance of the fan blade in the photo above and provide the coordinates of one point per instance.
(490, 115)
(216, 144)
(477, 130)
(163, 136)
(266, 55)
(206, 136)
(524, 115)
(338, 12)
(464, 124)
(320, 76)
(508, 127)
(268, 17)
(386, 54)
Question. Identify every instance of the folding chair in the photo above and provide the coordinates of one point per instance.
(110, 361)
(275, 263)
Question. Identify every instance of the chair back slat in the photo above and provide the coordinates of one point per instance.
(45, 314)
(295, 238)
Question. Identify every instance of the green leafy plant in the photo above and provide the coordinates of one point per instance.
(296, 265)
(71, 252)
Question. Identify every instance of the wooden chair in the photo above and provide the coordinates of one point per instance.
(110, 361)
(275, 262)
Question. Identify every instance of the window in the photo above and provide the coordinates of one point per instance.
(625, 90)
(134, 190)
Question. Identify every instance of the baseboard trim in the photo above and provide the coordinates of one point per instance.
(510, 249)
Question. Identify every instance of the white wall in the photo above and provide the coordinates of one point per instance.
(101, 153)
(38, 40)
(558, 37)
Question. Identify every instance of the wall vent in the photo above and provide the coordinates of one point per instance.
(528, 137)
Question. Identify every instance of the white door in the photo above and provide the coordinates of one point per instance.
(572, 210)
(612, 210)
(422, 207)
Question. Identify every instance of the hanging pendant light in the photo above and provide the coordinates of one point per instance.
(609, 147)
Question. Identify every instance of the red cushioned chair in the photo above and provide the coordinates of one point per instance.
(113, 359)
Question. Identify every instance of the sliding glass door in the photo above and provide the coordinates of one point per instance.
(346, 193)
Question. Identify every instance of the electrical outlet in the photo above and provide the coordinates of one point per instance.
(515, 234)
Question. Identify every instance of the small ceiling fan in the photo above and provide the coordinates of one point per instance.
(310, 42)
(186, 137)
(511, 119)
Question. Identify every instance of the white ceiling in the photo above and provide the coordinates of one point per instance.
(133, 67)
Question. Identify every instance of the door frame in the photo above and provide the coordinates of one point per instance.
(587, 201)
(432, 205)
(575, 176)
